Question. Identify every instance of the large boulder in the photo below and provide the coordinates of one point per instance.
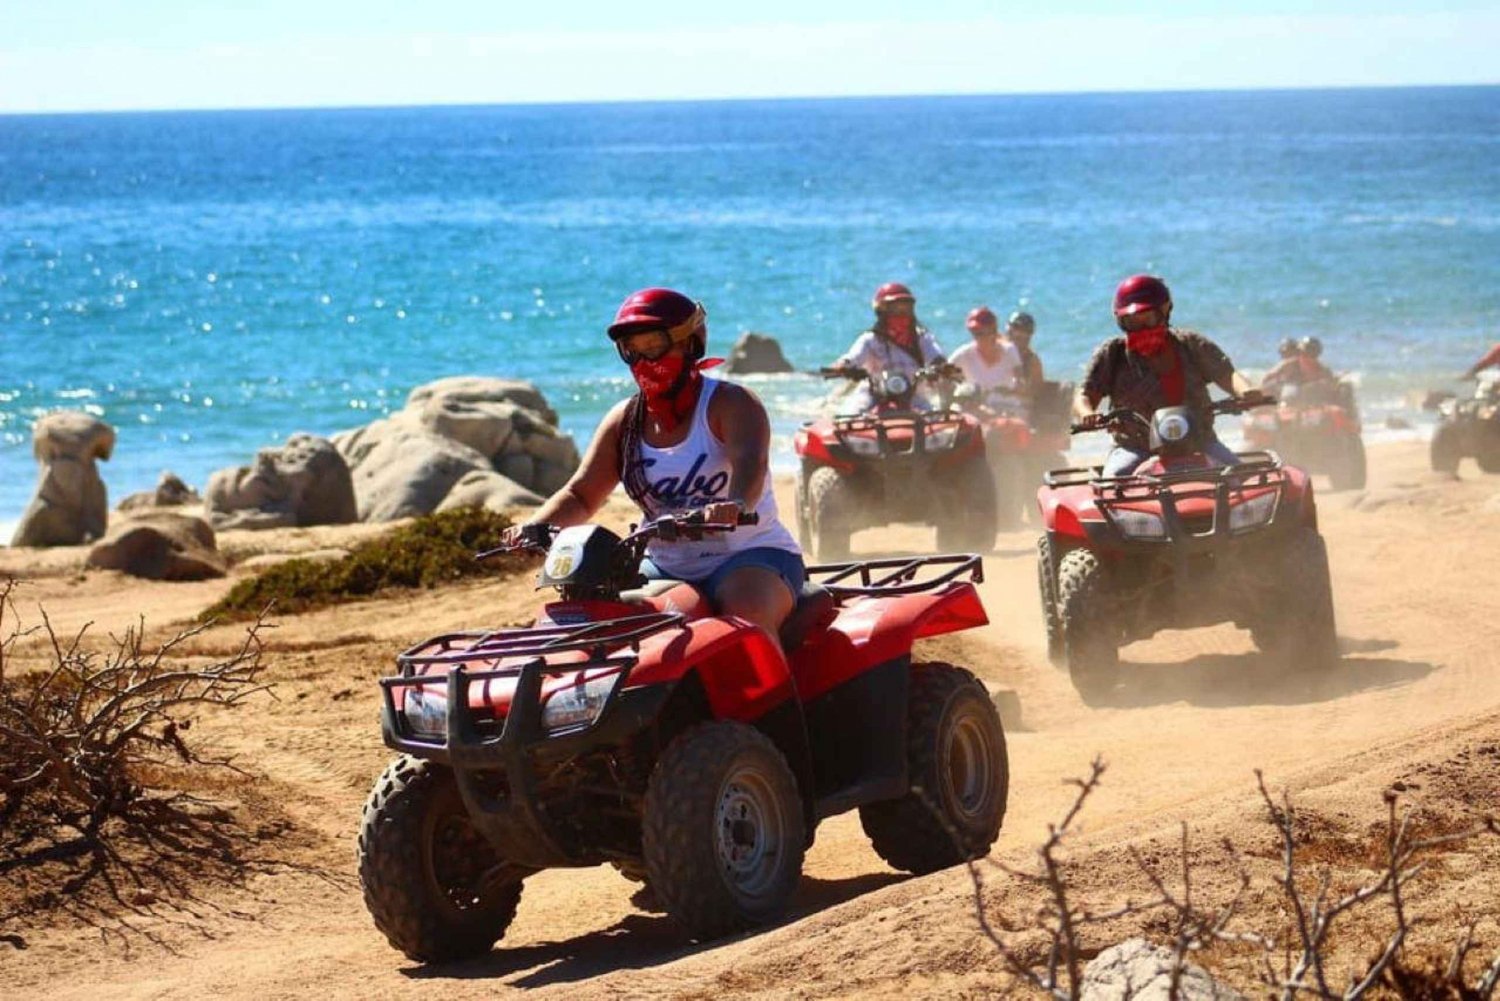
(160, 545)
(489, 490)
(71, 505)
(305, 481)
(756, 354)
(466, 428)
(170, 492)
(1136, 970)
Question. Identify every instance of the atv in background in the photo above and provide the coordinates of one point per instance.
(1467, 428)
(894, 463)
(632, 725)
(1316, 427)
(1023, 438)
(1181, 543)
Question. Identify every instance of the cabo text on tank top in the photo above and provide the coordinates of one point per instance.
(693, 473)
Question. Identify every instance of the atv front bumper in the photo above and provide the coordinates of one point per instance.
(497, 761)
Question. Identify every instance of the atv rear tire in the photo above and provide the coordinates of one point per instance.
(1046, 581)
(1090, 634)
(1348, 470)
(429, 878)
(1447, 449)
(830, 515)
(960, 776)
(723, 834)
(966, 517)
(1487, 448)
(1302, 635)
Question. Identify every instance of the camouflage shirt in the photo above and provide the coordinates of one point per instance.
(1130, 382)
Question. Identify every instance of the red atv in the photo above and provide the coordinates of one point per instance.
(1022, 440)
(1177, 544)
(632, 726)
(1315, 426)
(894, 463)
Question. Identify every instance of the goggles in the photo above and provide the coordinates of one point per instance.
(654, 343)
(897, 307)
(1144, 320)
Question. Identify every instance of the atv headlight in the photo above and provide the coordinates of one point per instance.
(1139, 524)
(896, 384)
(426, 713)
(863, 445)
(1173, 428)
(1252, 513)
(941, 439)
(577, 704)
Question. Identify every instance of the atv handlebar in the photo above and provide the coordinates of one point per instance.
(1122, 415)
(849, 372)
(537, 537)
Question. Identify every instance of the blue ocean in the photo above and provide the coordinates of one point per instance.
(210, 283)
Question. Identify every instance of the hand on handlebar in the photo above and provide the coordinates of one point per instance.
(1255, 398)
(1090, 422)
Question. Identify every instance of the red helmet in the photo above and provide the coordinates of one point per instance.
(1138, 293)
(664, 309)
(891, 292)
(981, 316)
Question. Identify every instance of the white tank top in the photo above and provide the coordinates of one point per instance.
(693, 473)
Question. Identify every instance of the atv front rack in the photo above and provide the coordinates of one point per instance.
(917, 423)
(492, 645)
(895, 575)
(1257, 463)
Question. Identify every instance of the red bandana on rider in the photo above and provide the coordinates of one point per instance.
(901, 329)
(1148, 342)
(670, 385)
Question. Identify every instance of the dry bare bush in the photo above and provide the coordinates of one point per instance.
(95, 760)
(1292, 956)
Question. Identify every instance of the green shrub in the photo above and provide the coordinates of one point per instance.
(427, 552)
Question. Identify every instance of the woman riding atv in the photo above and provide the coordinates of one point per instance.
(685, 442)
(1154, 365)
(992, 365)
(896, 343)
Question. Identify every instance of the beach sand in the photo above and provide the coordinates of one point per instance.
(1415, 701)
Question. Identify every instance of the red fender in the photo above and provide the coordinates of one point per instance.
(742, 669)
(1057, 506)
(810, 442)
(870, 631)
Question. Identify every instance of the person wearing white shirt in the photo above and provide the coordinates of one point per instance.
(896, 343)
(992, 365)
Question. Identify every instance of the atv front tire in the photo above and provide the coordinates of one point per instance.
(433, 884)
(1302, 633)
(966, 518)
(1447, 449)
(723, 834)
(1348, 470)
(1487, 448)
(1010, 475)
(1046, 582)
(960, 776)
(1090, 634)
(830, 515)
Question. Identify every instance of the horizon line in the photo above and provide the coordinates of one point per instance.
(739, 99)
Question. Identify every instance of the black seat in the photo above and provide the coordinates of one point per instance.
(815, 608)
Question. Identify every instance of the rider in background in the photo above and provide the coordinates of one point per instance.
(1491, 359)
(1153, 365)
(895, 343)
(687, 443)
(1019, 330)
(1288, 371)
(991, 364)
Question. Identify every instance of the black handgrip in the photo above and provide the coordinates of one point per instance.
(843, 373)
(749, 518)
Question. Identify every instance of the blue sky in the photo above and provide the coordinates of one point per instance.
(106, 54)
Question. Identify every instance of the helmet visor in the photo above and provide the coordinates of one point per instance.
(1143, 320)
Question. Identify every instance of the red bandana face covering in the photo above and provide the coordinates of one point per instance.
(1149, 342)
(670, 385)
(900, 329)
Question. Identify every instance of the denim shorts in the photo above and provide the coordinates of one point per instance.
(783, 563)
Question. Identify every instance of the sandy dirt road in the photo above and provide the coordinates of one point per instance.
(1416, 567)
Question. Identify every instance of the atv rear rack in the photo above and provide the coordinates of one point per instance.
(899, 576)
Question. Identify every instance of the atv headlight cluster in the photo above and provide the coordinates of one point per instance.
(896, 384)
(426, 713)
(577, 704)
(1252, 513)
(941, 439)
(863, 445)
(1139, 524)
